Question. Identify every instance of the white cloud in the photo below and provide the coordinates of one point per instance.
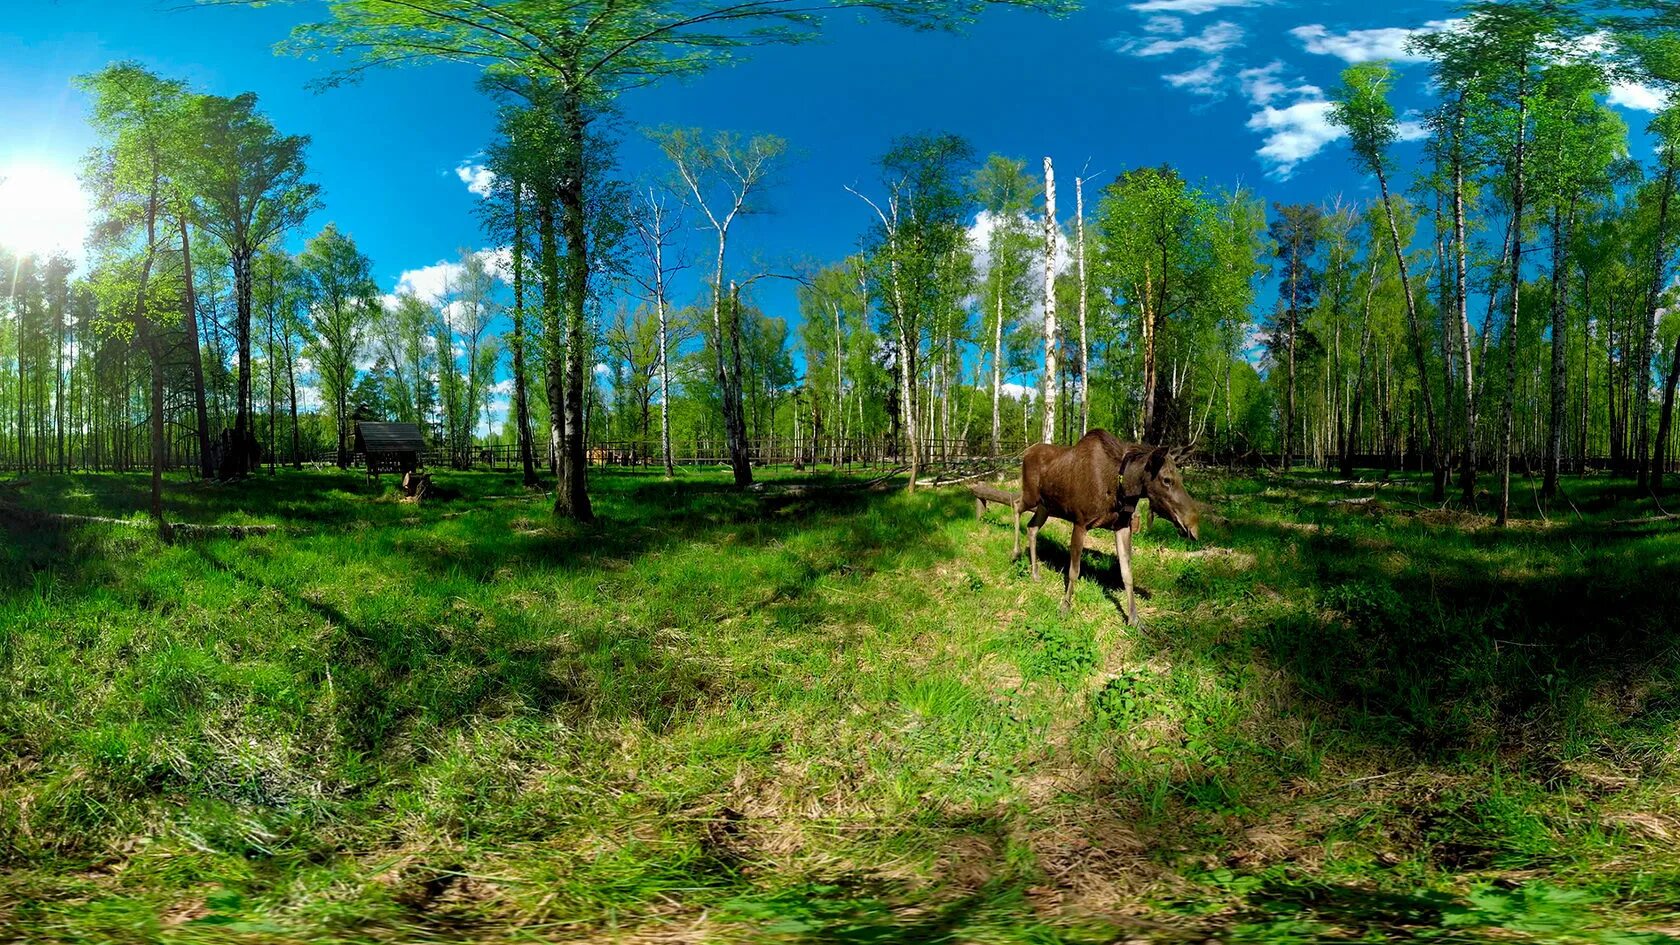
(1293, 134)
(1263, 85)
(478, 178)
(431, 283)
(980, 234)
(1412, 128)
(1637, 97)
(1387, 42)
(1193, 7)
(1212, 40)
(1205, 79)
(1168, 25)
(1018, 391)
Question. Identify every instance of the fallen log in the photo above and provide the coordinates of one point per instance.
(986, 494)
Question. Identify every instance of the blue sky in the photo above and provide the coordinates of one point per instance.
(1228, 91)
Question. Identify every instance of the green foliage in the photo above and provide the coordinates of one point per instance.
(1046, 650)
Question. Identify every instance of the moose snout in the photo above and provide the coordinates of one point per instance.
(1191, 525)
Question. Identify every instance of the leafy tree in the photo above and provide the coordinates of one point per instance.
(137, 119)
(342, 298)
(1006, 194)
(1361, 107)
(248, 183)
(722, 175)
(1295, 233)
(922, 227)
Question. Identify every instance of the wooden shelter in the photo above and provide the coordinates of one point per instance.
(390, 447)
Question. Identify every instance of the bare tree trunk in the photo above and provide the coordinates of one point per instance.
(1050, 366)
(1659, 458)
(1084, 300)
(189, 311)
(1467, 475)
(734, 415)
(997, 376)
(239, 460)
(1648, 339)
(1508, 419)
(521, 387)
(571, 493)
(1350, 442)
(1560, 337)
(291, 383)
(1417, 342)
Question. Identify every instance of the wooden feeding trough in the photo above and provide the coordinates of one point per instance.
(390, 447)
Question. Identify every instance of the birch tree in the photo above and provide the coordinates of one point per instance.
(1052, 370)
(723, 175)
(657, 223)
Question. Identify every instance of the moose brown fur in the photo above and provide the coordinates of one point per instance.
(1097, 483)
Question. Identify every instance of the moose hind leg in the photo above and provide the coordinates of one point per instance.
(1076, 548)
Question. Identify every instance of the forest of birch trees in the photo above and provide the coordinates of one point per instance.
(1494, 302)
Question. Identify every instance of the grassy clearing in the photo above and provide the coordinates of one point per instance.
(729, 717)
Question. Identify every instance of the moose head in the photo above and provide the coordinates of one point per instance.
(1151, 473)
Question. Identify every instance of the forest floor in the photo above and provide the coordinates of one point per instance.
(833, 718)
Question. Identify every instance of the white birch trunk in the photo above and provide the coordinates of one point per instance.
(1050, 367)
(1084, 295)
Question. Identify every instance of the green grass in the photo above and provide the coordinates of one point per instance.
(844, 718)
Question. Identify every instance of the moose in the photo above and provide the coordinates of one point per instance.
(1096, 483)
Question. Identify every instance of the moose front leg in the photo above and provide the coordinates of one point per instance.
(1076, 548)
(1123, 551)
(1038, 520)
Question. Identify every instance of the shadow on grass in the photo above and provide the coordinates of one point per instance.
(1403, 631)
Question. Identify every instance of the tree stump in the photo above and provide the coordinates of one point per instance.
(416, 485)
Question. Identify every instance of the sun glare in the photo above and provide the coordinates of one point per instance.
(42, 210)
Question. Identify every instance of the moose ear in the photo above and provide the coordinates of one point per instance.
(1157, 459)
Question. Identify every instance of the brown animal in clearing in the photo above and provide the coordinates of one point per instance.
(1097, 483)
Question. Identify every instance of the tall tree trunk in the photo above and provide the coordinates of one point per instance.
(239, 459)
(1440, 478)
(189, 311)
(1289, 395)
(1659, 458)
(521, 394)
(1560, 338)
(735, 421)
(997, 374)
(553, 336)
(1508, 418)
(1446, 338)
(1051, 369)
(571, 494)
(665, 383)
(1648, 338)
(291, 384)
(1467, 471)
(1084, 305)
(1350, 443)
(154, 350)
